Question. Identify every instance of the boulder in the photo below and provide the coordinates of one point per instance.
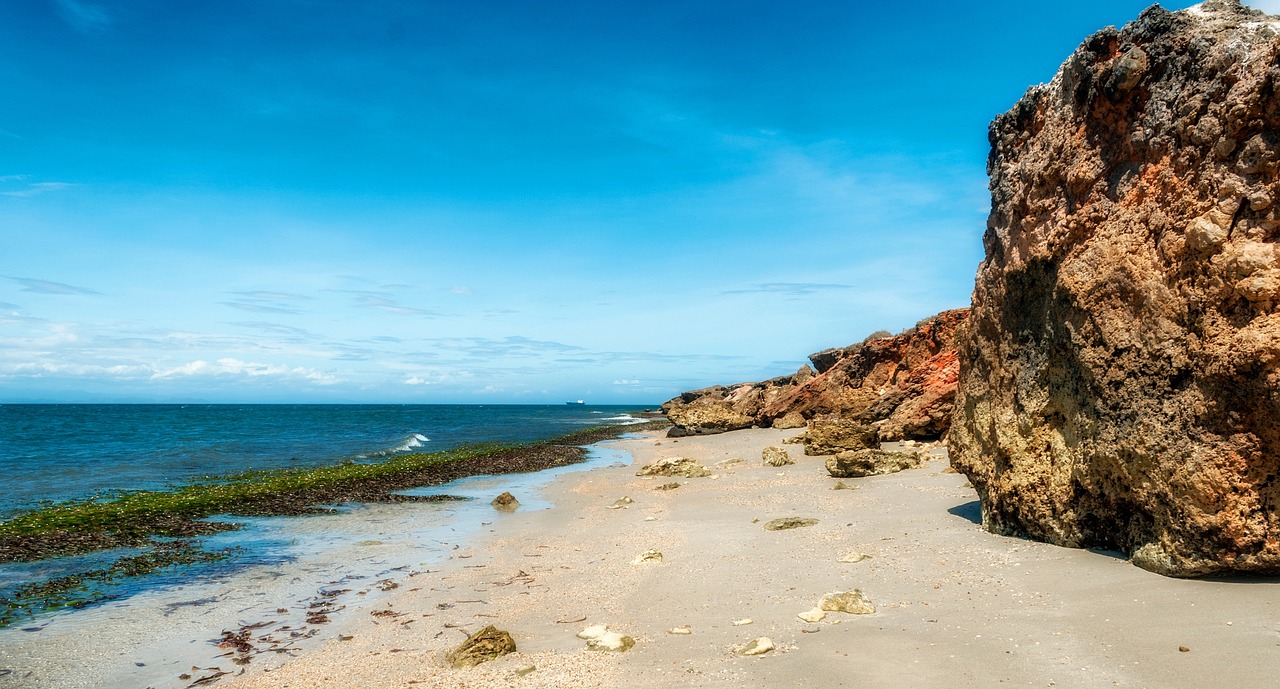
(483, 646)
(675, 466)
(855, 463)
(831, 435)
(775, 456)
(792, 419)
(505, 502)
(1119, 382)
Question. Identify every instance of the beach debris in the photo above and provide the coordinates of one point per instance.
(784, 523)
(675, 466)
(483, 646)
(682, 630)
(855, 556)
(742, 622)
(814, 615)
(651, 519)
(621, 503)
(856, 463)
(729, 462)
(505, 502)
(668, 486)
(649, 555)
(756, 647)
(599, 638)
(775, 456)
(851, 602)
(580, 619)
(841, 485)
(527, 669)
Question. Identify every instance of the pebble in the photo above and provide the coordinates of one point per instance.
(742, 622)
(757, 647)
(683, 629)
(814, 615)
(649, 555)
(855, 557)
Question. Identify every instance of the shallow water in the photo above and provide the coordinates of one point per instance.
(148, 638)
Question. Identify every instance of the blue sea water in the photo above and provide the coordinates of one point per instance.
(72, 451)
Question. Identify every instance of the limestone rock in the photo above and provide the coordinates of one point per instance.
(682, 630)
(621, 503)
(757, 647)
(1120, 372)
(855, 557)
(813, 616)
(784, 523)
(792, 419)
(668, 486)
(611, 641)
(594, 631)
(505, 502)
(776, 456)
(483, 646)
(870, 463)
(852, 602)
(906, 383)
(794, 440)
(649, 555)
(675, 466)
(742, 622)
(827, 436)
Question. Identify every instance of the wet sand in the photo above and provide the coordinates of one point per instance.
(956, 606)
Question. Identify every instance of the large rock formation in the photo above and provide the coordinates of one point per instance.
(1119, 384)
(905, 384)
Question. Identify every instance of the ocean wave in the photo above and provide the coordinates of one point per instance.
(622, 419)
(415, 440)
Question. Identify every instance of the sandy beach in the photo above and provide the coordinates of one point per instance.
(955, 606)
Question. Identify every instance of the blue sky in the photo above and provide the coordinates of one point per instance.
(395, 201)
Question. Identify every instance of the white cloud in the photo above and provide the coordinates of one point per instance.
(626, 381)
(228, 366)
(417, 380)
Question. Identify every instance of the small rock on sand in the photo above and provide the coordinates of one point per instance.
(521, 672)
(742, 622)
(757, 647)
(620, 503)
(785, 523)
(852, 602)
(682, 630)
(775, 456)
(855, 557)
(484, 645)
(814, 615)
(675, 466)
(505, 502)
(668, 486)
(599, 638)
(841, 485)
(649, 555)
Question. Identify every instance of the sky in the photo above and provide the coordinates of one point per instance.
(489, 202)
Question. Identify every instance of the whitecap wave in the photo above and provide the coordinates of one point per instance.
(415, 440)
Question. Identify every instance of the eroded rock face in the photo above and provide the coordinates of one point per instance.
(1118, 374)
(904, 383)
(828, 436)
(858, 463)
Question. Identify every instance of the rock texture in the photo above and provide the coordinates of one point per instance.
(481, 647)
(1120, 372)
(905, 384)
(674, 466)
(827, 436)
(857, 463)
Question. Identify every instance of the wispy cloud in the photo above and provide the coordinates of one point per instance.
(84, 17)
(35, 189)
(626, 381)
(255, 307)
(790, 289)
(49, 287)
(383, 302)
(267, 295)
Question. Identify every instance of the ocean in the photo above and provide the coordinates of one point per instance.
(66, 452)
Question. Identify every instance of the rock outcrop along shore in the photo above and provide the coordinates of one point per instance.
(904, 384)
(1119, 382)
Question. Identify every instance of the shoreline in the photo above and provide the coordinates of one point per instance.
(956, 606)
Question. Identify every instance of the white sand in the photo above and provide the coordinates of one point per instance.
(957, 607)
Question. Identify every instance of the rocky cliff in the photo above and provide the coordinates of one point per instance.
(1119, 382)
(905, 384)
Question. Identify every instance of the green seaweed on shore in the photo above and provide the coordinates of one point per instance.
(94, 586)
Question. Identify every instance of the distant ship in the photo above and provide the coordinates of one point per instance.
(576, 403)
